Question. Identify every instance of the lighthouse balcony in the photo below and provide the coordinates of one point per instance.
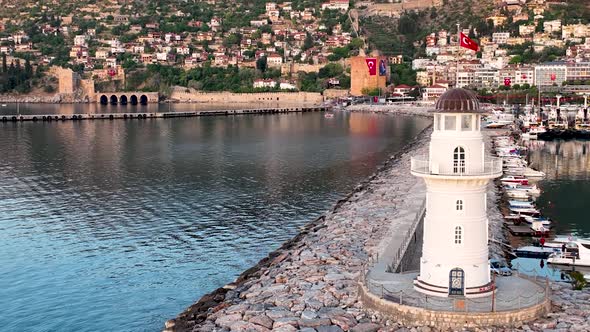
(423, 167)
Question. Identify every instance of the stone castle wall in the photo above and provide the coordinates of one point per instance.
(190, 95)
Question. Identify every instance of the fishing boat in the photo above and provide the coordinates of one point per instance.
(3, 105)
(329, 115)
(525, 210)
(522, 204)
(544, 221)
(517, 194)
(539, 229)
(536, 252)
(531, 190)
(576, 253)
(515, 179)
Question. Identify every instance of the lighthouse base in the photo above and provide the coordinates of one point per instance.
(440, 291)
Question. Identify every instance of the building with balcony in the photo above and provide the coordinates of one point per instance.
(454, 258)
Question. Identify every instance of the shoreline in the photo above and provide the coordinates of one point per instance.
(225, 298)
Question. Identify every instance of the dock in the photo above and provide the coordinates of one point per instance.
(151, 115)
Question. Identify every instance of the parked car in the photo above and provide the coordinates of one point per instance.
(500, 267)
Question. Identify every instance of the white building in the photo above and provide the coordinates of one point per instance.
(525, 30)
(552, 26)
(551, 73)
(267, 83)
(500, 37)
(455, 253)
(433, 92)
(341, 5)
(80, 40)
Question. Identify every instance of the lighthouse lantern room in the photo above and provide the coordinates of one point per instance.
(457, 170)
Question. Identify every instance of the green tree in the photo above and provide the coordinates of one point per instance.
(308, 42)
(261, 64)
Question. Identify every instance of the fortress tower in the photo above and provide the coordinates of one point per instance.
(454, 258)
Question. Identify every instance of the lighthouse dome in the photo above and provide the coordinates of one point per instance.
(457, 101)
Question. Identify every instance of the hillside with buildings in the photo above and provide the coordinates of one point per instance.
(299, 45)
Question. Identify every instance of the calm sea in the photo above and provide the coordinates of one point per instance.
(120, 225)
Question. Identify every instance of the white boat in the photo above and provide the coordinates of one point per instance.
(525, 210)
(530, 220)
(521, 204)
(576, 253)
(536, 252)
(539, 229)
(518, 194)
(515, 179)
(3, 105)
(496, 124)
(531, 190)
(329, 115)
(529, 172)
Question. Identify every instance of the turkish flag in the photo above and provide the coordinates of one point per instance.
(524, 76)
(507, 81)
(553, 77)
(468, 43)
(372, 64)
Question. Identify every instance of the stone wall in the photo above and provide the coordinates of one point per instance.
(272, 98)
(451, 320)
(335, 93)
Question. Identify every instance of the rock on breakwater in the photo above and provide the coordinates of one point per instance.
(311, 282)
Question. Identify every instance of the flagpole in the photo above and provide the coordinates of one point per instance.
(459, 51)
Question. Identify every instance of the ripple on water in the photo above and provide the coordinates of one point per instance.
(121, 225)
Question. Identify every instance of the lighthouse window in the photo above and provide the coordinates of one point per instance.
(437, 122)
(459, 205)
(466, 124)
(450, 122)
(477, 121)
(458, 234)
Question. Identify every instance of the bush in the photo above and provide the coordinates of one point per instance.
(578, 281)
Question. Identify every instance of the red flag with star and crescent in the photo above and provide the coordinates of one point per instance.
(372, 64)
(468, 43)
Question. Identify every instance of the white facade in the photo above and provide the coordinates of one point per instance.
(454, 258)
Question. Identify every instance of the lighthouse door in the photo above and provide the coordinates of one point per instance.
(459, 160)
(456, 282)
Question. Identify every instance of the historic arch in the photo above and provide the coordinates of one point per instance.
(114, 100)
(104, 100)
(143, 100)
(133, 100)
(123, 100)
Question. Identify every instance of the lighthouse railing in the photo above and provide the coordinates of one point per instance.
(423, 165)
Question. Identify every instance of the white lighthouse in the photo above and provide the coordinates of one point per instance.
(454, 258)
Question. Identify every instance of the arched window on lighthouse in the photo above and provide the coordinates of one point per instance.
(459, 160)
(458, 235)
(459, 205)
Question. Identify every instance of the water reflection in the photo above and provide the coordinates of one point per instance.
(566, 189)
(119, 225)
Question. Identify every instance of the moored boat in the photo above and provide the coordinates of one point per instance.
(515, 179)
(576, 253)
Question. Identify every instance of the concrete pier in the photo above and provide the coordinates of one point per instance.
(150, 115)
